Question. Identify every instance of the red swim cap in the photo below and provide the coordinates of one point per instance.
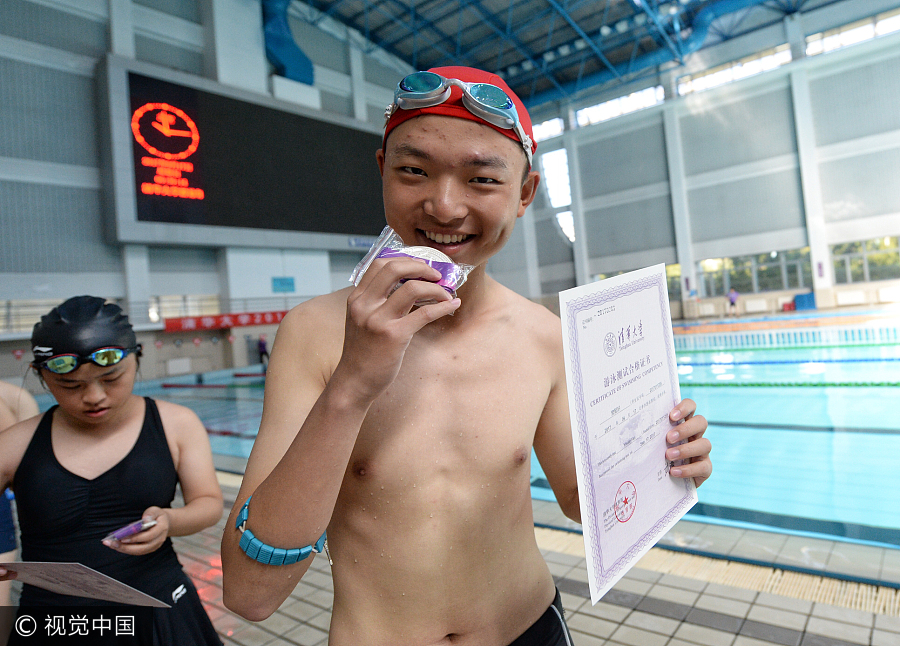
(453, 106)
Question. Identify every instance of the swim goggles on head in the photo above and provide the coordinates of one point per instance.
(62, 364)
(486, 101)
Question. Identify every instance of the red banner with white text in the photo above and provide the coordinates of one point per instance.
(222, 321)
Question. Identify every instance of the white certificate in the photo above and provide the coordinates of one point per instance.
(623, 382)
(80, 581)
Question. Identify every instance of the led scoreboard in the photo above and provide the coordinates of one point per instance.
(212, 165)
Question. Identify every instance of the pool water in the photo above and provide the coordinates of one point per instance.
(804, 439)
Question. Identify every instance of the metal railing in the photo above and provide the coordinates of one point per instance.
(18, 317)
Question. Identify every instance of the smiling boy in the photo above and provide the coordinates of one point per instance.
(407, 432)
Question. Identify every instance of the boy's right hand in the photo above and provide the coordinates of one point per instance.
(382, 319)
(7, 575)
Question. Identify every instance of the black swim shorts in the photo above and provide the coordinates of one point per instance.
(549, 630)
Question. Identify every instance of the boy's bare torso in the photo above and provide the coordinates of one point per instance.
(432, 536)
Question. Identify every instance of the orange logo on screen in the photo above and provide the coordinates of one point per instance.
(172, 129)
(170, 135)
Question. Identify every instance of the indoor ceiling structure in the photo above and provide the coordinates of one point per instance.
(550, 50)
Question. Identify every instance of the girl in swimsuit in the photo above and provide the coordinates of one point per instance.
(103, 458)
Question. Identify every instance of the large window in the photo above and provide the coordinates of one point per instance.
(855, 32)
(555, 172)
(777, 270)
(619, 106)
(764, 61)
(859, 262)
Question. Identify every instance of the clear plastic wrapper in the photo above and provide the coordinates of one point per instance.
(389, 245)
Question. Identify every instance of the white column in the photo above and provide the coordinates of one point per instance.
(811, 185)
(357, 82)
(121, 28)
(793, 33)
(136, 265)
(532, 264)
(579, 247)
(684, 244)
(235, 52)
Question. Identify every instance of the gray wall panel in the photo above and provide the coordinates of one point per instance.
(633, 159)
(556, 286)
(184, 9)
(630, 227)
(321, 48)
(337, 104)
(861, 186)
(552, 248)
(748, 206)
(58, 29)
(186, 259)
(856, 103)
(375, 72)
(512, 256)
(53, 229)
(741, 132)
(167, 55)
(47, 115)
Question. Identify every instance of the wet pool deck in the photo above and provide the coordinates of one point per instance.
(667, 600)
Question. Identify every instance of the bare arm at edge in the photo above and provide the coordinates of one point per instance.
(312, 416)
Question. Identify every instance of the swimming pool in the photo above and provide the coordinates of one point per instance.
(804, 426)
(804, 423)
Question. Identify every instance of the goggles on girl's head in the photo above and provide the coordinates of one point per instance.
(62, 364)
(485, 101)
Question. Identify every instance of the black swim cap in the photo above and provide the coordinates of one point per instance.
(79, 326)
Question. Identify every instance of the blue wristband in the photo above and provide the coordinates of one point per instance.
(266, 554)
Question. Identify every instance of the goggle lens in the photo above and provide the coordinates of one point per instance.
(490, 95)
(421, 82)
(108, 356)
(104, 357)
(62, 364)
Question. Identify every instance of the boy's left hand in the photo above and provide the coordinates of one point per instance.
(693, 455)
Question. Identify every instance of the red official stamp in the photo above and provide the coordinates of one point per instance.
(626, 499)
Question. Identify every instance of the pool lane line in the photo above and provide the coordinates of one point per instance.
(226, 433)
(746, 325)
(220, 386)
(768, 348)
(814, 429)
(787, 362)
(794, 384)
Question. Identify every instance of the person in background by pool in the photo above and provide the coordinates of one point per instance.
(16, 404)
(408, 432)
(732, 301)
(103, 458)
(263, 350)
